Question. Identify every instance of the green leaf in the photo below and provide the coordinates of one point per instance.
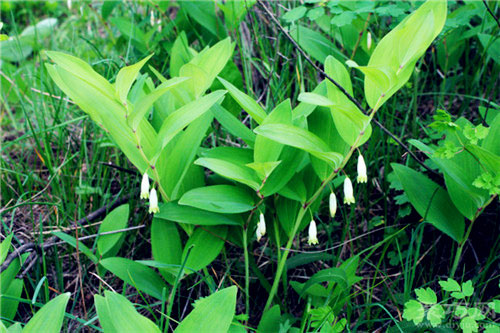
(117, 219)
(142, 106)
(126, 76)
(9, 300)
(185, 214)
(431, 202)
(166, 246)
(334, 274)
(349, 120)
(302, 139)
(315, 99)
(226, 199)
(211, 314)
(435, 315)
(270, 321)
(467, 288)
(182, 117)
(117, 314)
(4, 247)
(495, 305)
(267, 150)
(414, 311)
(489, 160)
(233, 125)
(400, 49)
(263, 169)
(246, 102)
(469, 325)
(314, 43)
(231, 170)
(426, 296)
(138, 275)
(295, 14)
(205, 245)
(50, 317)
(450, 285)
(72, 241)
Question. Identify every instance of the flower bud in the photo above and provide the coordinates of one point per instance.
(348, 192)
(368, 40)
(153, 202)
(313, 234)
(333, 204)
(362, 177)
(145, 187)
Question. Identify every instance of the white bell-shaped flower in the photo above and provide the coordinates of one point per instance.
(333, 204)
(153, 202)
(261, 227)
(368, 40)
(313, 234)
(348, 192)
(362, 177)
(145, 187)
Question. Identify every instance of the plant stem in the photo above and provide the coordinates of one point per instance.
(303, 209)
(247, 272)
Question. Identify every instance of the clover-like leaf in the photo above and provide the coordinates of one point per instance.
(468, 325)
(495, 305)
(467, 288)
(414, 311)
(475, 313)
(450, 285)
(435, 315)
(461, 311)
(426, 296)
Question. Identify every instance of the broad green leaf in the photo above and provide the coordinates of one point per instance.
(267, 150)
(490, 143)
(82, 70)
(219, 199)
(199, 80)
(246, 102)
(334, 274)
(315, 99)
(426, 296)
(117, 219)
(469, 325)
(231, 170)
(431, 202)
(467, 288)
(4, 247)
(349, 121)
(184, 116)
(270, 321)
(233, 125)
(204, 13)
(300, 138)
(314, 43)
(9, 299)
(117, 314)
(263, 169)
(180, 54)
(72, 241)
(206, 244)
(295, 14)
(458, 178)
(491, 44)
(414, 311)
(50, 317)
(166, 245)
(400, 49)
(9, 274)
(175, 176)
(142, 106)
(138, 275)
(211, 314)
(126, 76)
(488, 160)
(172, 211)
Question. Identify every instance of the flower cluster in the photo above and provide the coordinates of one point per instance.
(151, 195)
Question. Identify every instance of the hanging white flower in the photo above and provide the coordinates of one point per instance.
(145, 186)
(362, 177)
(261, 227)
(348, 191)
(313, 234)
(368, 40)
(333, 204)
(153, 202)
